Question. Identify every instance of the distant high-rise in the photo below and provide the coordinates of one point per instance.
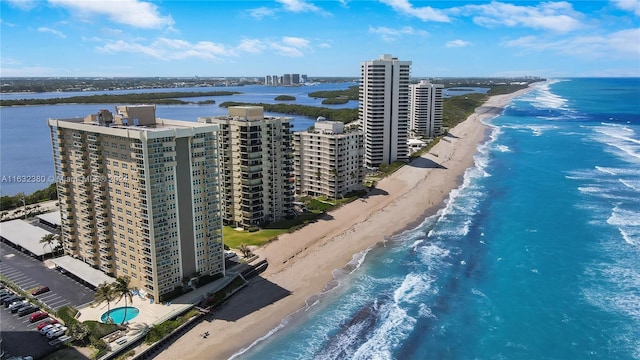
(426, 109)
(328, 160)
(384, 110)
(140, 196)
(256, 155)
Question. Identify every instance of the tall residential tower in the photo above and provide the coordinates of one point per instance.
(328, 160)
(140, 196)
(384, 110)
(256, 154)
(426, 109)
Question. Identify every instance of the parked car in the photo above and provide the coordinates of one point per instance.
(18, 304)
(55, 333)
(6, 294)
(27, 310)
(8, 300)
(46, 323)
(40, 290)
(38, 315)
(18, 307)
(48, 328)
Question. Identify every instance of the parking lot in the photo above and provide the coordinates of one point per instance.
(20, 337)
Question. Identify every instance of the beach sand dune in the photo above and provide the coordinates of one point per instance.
(301, 264)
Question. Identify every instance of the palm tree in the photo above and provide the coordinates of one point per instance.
(245, 250)
(121, 290)
(48, 239)
(104, 292)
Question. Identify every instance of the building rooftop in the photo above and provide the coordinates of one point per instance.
(82, 270)
(51, 218)
(27, 236)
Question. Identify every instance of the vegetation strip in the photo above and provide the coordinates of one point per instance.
(133, 98)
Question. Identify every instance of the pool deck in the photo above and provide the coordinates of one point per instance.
(152, 313)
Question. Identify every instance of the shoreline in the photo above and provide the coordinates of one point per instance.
(302, 263)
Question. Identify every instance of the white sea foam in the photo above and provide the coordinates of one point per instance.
(502, 148)
(545, 99)
(395, 327)
(631, 184)
(621, 142)
(432, 255)
(413, 287)
(624, 217)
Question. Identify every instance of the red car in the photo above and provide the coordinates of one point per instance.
(38, 315)
(40, 290)
(45, 323)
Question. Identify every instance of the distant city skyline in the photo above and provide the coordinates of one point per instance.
(125, 38)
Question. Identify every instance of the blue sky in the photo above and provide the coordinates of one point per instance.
(318, 38)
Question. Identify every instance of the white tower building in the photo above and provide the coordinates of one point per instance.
(384, 110)
(426, 109)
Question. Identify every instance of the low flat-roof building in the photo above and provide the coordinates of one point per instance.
(51, 219)
(27, 237)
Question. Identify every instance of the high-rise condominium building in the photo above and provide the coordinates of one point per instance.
(140, 196)
(256, 155)
(384, 110)
(426, 109)
(328, 160)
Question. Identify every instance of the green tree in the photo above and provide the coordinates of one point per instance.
(121, 290)
(105, 292)
(49, 239)
(79, 331)
(245, 250)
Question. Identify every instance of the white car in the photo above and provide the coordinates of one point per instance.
(48, 328)
(17, 304)
(55, 333)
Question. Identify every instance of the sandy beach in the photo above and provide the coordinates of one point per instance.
(301, 264)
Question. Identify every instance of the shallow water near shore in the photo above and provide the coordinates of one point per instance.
(536, 255)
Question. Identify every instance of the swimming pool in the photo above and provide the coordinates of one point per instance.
(118, 314)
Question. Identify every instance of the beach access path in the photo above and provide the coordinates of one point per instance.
(301, 264)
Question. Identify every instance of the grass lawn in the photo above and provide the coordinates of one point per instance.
(233, 238)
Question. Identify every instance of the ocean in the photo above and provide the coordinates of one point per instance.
(536, 255)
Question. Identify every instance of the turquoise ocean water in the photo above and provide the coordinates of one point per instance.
(535, 256)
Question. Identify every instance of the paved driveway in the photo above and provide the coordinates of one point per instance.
(19, 336)
(29, 273)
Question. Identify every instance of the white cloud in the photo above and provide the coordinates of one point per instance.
(629, 5)
(176, 49)
(457, 43)
(23, 4)
(298, 6)
(612, 45)
(252, 46)
(128, 12)
(52, 31)
(389, 34)
(2, 22)
(290, 46)
(554, 16)
(426, 13)
(295, 6)
(296, 42)
(261, 12)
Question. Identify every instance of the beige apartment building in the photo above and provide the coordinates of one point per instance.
(140, 196)
(256, 154)
(328, 160)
